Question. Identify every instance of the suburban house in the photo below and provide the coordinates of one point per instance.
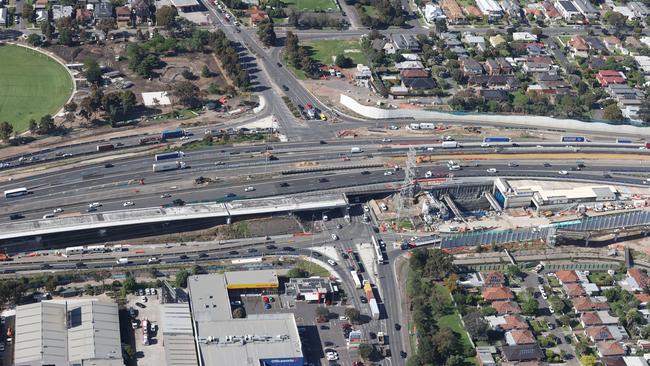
(574, 290)
(123, 15)
(551, 11)
(595, 318)
(497, 95)
(406, 42)
(453, 11)
(524, 36)
(522, 353)
(497, 294)
(497, 66)
(433, 13)
(256, 15)
(493, 279)
(519, 337)
(598, 333)
(506, 307)
(566, 8)
(637, 279)
(494, 81)
(103, 10)
(609, 348)
(606, 77)
(490, 8)
(582, 304)
(566, 276)
(578, 47)
(496, 40)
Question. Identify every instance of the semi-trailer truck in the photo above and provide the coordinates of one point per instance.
(356, 150)
(165, 166)
(122, 261)
(105, 147)
(449, 144)
(169, 156)
(171, 134)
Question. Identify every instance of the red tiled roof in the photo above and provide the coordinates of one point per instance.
(506, 307)
(587, 304)
(599, 333)
(493, 278)
(639, 276)
(578, 43)
(610, 349)
(574, 290)
(590, 318)
(551, 11)
(497, 293)
(473, 10)
(643, 298)
(567, 276)
(522, 336)
(415, 73)
(606, 77)
(514, 322)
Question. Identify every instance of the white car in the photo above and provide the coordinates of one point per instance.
(144, 299)
(95, 204)
(57, 210)
(335, 237)
(128, 203)
(544, 296)
(153, 260)
(563, 172)
(428, 174)
(343, 317)
(366, 208)
(185, 138)
(332, 356)
(485, 144)
(386, 140)
(539, 146)
(165, 195)
(388, 172)
(249, 189)
(331, 262)
(491, 170)
(393, 127)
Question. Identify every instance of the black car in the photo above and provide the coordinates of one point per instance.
(46, 266)
(323, 142)
(397, 327)
(279, 64)
(365, 172)
(547, 165)
(285, 88)
(183, 256)
(16, 216)
(233, 252)
(607, 175)
(363, 299)
(133, 312)
(288, 249)
(316, 254)
(324, 327)
(252, 250)
(402, 354)
(230, 195)
(271, 247)
(203, 255)
(323, 180)
(108, 165)
(80, 264)
(284, 184)
(91, 209)
(140, 305)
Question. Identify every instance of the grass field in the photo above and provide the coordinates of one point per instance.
(325, 50)
(453, 322)
(311, 5)
(31, 85)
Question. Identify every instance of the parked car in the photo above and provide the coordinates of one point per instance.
(140, 305)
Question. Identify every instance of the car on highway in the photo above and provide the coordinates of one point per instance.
(563, 172)
(402, 354)
(331, 262)
(335, 237)
(279, 64)
(95, 204)
(323, 180)
(285, 184)
(183, 256)
(288, 249)
(49, 216)
(252, 250)
(140, 305)
(91, 209)
(388, 172)
(316, 254)
(485, 144)
(153, 260)
(46, 266)
(332, 356)
(386, 140)
(285, 88)
(249, 189)
(512, 164)
(203, 255)
(397, 327)
(271, 247)
(539, 146)
(57, 210)
(230, 195)
(363, 299)
(491, 170)
(165, 195)
(547, 165)
(233, 252)
(218, 163)
(16, 216)
(128, 203)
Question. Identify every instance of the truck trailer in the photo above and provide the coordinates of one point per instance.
(165, 166)
(169, 156)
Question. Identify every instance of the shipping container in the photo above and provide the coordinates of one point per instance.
(169, 156)
(165, 166)
(374, 308)
(449, 144)
(105, 147)
(170, 134)
(355, 278)
(149, 140)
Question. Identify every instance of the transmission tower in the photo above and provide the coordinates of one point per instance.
(410, 185)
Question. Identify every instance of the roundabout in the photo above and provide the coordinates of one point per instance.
(32, 84)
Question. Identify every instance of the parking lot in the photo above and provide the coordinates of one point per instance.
(316, 337)
(152, 353)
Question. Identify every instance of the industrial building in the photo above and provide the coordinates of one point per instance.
(178, 334)
(260, 340)
(68, 332)
(523, 195)
(490, 8)
(315, 289)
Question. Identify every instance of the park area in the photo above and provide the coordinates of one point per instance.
(312, 5)
(31, 85)
(324, 51)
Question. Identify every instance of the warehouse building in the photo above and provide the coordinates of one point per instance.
(68, 332)
(178, 334)
(260, 340)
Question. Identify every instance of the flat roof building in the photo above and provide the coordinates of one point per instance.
(178, 334)
(256, 340)
(309, 289)
(251, 279)
(68, 332)
(490, 8)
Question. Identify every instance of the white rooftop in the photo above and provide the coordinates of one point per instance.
(153, 99)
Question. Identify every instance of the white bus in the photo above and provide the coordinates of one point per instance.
(16, 192)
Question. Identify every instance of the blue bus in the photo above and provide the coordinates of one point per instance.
(497, 139)
(170, 134)
(574, 139)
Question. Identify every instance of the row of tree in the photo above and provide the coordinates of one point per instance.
(299, 56)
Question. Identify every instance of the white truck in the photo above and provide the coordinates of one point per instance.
(449, 144)
(164, 166)
(122, 261)
(356, 150)
(381, 338)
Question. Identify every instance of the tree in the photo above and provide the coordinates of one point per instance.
(93, 71)
(46, 125)
(188, 75)
(129, 284)
(353, 314)
(557, 304)
(455, 360)
(451, 283)
(28, 12)
(588, 360)
(33, 126)
(128, 351)
(106, 25)
(446, 342)
(297, 273)
(51, 283)
(196, 269)
(70, 107)
(47, 29)
(366, 351)
(322, 311)
(537, 31)
(181, 278)
(165, 16)
(266, 33)
(613, 113)
(343, 61)
(187, 94)
(34, 39)
(6, 129)
(476, 326)
(239, 313)
(513, 271)
(530, 306)
(205, 71)
(439, 264)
